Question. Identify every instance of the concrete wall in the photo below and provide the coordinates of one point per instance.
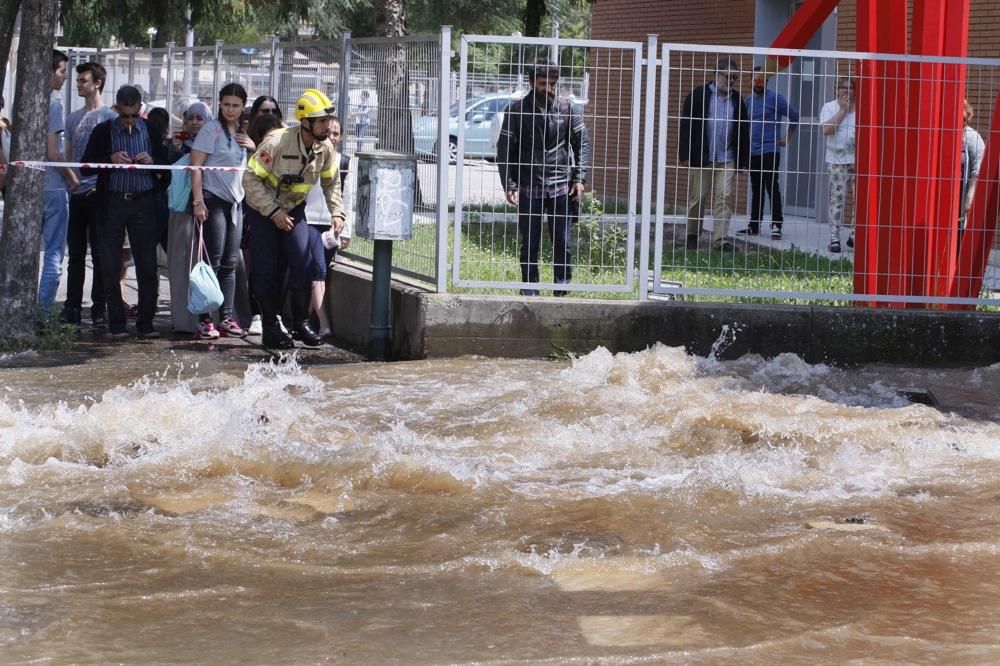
(429, 325)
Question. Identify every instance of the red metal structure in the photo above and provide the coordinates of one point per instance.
(909, 140)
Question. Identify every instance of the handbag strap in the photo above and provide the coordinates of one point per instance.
(201, 245)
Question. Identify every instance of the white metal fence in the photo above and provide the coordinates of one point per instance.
(519, 167)
(874, 196)
(393, 98)
(632, 234)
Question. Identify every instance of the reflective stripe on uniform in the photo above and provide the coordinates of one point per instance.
(261, 172)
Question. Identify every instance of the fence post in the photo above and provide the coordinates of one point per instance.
(344, 85)
(661, 163)
(131, 65)
(647, 166)
(443, 153)
(443, 222)
(216, 74)
(273, 83)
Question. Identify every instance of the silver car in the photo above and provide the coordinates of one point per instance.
(478, 116)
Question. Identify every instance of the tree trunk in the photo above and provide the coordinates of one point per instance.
(534, 11)
(395, 122)
(8, 14)
(390, 18)
(19, 245)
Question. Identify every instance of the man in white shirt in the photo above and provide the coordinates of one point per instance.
(838, 121)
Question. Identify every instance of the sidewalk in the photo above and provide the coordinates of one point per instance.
(174, 341)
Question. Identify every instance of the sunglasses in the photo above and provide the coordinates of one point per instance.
(128, 115)
(263, 110)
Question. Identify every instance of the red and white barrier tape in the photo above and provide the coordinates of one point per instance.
(32, 164)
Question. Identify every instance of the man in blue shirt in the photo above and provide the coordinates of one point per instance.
(767, 110)
(125, 197)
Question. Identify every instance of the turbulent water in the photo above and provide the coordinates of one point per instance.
(650, 507)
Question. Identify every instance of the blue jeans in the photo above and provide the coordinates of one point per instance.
(55, 218)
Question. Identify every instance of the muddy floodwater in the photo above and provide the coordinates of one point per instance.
(637, 508)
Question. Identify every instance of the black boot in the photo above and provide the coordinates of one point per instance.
(272, 335)
(300, 313)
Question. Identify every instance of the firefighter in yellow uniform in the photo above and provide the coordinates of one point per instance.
(285, 167)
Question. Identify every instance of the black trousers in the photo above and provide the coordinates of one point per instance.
(764, 179)
(562, 213)
(274, 251)
(137, 217)
(84, 213)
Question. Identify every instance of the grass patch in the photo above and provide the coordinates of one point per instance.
(51, 335)
(490, 254)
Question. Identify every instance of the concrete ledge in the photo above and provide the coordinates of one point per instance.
(427, 325)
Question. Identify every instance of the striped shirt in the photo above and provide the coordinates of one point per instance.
(133, 143)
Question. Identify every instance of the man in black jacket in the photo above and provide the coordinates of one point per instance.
(714, 142)
(126, 197)
(543, 154)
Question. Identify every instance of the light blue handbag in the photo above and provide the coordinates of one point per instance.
(204, 294)
(179, 191)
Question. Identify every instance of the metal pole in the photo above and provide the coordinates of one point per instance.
(344, 86)
(273, 83)
(216, 70)
(169, 91)
(647, 166)
(443, 221)
(379, 329)
(131, 65)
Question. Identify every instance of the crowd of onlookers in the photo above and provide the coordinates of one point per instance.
(264, 211)
(722, 133)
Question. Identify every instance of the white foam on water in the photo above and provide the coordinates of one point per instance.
(609, 425)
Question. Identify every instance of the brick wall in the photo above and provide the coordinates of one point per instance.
(732, 23)
(687, 21)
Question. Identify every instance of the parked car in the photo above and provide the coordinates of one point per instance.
(478, 117)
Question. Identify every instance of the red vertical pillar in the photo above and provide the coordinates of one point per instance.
(882, 110)
(941, 231)
(923, 138)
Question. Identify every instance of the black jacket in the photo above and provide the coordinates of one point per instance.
(98, 151)
(541, 147)
(692, 144)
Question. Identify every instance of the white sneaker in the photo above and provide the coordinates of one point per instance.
(256, 326)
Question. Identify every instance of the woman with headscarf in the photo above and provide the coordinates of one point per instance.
(181, 222)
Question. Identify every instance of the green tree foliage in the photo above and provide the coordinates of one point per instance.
(98, 22)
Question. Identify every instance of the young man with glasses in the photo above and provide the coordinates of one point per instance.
(714, 143)
(126, 198)
(84, 211)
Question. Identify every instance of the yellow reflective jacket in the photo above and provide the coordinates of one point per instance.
(283, 170)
